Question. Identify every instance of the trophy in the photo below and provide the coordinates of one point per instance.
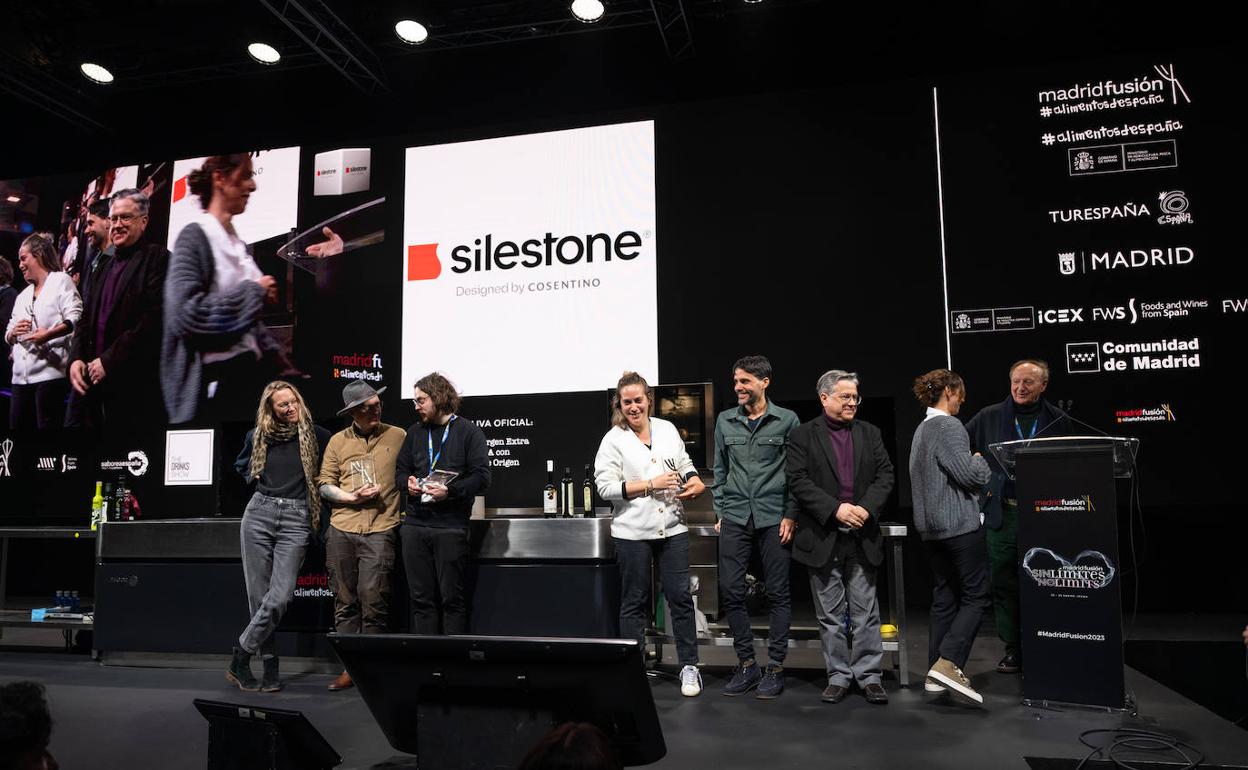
(363, 472)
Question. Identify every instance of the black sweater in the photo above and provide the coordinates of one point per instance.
(464, 452)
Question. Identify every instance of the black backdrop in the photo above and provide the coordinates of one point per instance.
(803, 225)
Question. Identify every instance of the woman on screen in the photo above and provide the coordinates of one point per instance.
(215, 351)
(43, 317)
(282, 455)
(643, 469)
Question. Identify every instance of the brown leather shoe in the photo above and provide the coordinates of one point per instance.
(833, 693)
(874, 693)
(342, 682)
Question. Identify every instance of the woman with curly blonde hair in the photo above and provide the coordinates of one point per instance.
(282, 455)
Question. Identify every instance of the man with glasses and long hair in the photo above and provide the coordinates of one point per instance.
(435, 529)
(840, 475)
(357, 478)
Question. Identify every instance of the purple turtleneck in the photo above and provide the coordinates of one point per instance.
(843, 448)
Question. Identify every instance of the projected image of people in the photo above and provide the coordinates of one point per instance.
(43, 317)
(215, 349)
(113, 367)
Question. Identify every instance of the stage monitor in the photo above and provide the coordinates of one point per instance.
(244, 737)
(483, 701)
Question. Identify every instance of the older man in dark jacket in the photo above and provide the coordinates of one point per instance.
(840, 477)
(1023, 414)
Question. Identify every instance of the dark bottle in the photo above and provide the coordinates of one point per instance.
(587, 492)
(120, 495)
(550, 501)
(567, 495)
(107, 507)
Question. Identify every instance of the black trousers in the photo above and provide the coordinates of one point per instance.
(40, 405)
(434, 559)
(736, 542)
(960, 595)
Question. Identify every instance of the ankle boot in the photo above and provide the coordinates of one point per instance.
(269, 681)
(239, 671)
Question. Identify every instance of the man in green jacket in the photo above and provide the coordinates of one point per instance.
(750, 504)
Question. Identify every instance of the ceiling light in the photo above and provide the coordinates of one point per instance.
(96, 73)
(14, 199)
(588, 11)
(411, 32)
(264, 53)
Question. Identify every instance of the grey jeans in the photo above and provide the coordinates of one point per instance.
(274, 535)
(847, 578)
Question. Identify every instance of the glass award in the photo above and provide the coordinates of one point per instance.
(363, 472)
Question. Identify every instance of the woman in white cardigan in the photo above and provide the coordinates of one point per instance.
(643, 469)
(43, 317)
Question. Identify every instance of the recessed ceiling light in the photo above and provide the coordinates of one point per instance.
(588, 11)
(96, 73)
(411, 32)
(264, 53)
(14, 199)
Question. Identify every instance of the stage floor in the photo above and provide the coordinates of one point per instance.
(142, 717)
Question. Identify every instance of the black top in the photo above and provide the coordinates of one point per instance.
(463, 452)
(283, 469)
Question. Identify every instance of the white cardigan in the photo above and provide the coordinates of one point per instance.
(622, 457)
(57, 302)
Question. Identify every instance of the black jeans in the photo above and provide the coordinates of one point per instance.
(671, 554)
(960, 595)
(735, 545)
(434, 559)
(40, 405)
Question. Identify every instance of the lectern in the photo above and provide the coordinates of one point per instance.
(1069, 572)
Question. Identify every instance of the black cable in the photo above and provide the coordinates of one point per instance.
(1134, 740)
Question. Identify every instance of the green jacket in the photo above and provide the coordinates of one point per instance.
(749, 466)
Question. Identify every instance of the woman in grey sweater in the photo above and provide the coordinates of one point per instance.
(944, 477)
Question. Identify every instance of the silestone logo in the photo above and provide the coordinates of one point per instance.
(486, 254)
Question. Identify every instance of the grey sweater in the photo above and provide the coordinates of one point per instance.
(944, 477)
(199, 321)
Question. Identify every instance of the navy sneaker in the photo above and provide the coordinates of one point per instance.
(744, 678)
(772, 683)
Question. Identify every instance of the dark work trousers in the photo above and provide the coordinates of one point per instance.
(359, 568)
(236, 384)
(434, 559)
(671, 555)
(40, 405)
(736, 542)
(960, 595)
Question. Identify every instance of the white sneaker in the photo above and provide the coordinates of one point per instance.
(931, 685)
(690, 681)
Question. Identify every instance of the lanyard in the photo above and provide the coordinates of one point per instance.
(433, 459)
(1019, 428)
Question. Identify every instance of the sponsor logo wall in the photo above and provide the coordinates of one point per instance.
(1103, 249)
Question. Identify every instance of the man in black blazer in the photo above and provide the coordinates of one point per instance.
(840, 476)
(115, 355)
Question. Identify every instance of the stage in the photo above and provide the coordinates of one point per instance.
(110, 716)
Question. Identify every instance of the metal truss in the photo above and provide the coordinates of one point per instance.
(674, 28)
(45, 92)
(330, 37)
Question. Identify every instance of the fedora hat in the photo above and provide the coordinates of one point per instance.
(356, 393)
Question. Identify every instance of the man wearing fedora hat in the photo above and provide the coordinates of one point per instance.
(357, 478)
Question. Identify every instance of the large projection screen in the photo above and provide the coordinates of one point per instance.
(529, 261)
